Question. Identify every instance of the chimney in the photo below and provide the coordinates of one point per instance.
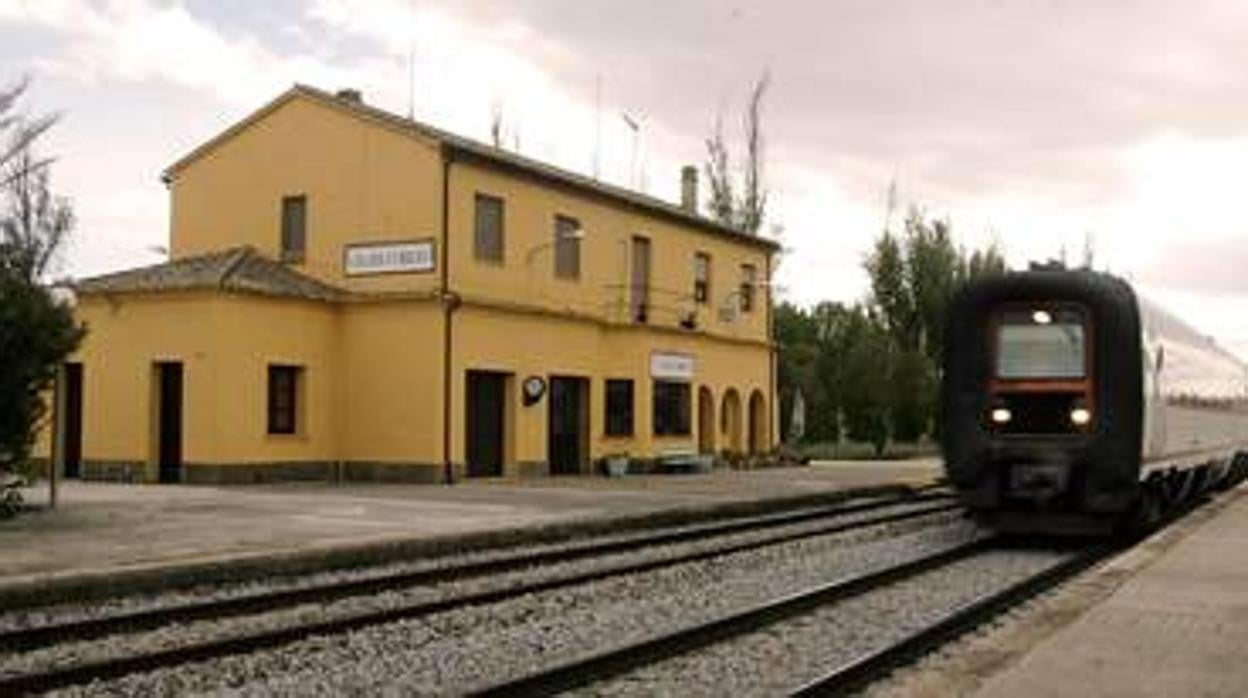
(689, 188)
(350, 95)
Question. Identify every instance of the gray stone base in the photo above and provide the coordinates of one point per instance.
(310, 471)
(114, 470)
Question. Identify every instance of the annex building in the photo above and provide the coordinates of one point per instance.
(354, 295)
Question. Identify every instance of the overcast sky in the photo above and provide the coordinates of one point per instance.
(1035, 123)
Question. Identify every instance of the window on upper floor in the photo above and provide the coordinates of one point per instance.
(284, 389)
(567, 248)
(702, 278)
(294, 228)
(619, 408)
(749, 278)
(639, 288)
(487, 243)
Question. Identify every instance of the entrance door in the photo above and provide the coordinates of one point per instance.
(73, 420)
(169, 449)
(567, 444)
(485, 423)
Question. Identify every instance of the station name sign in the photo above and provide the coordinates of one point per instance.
(671, 366)
(404, 257)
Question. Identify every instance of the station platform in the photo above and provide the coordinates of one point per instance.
(114, 533)
(1173, 620)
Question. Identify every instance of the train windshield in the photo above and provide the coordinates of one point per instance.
(1041, 344)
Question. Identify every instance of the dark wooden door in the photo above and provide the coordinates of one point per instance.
(567, 425)
(486, 426)
(170, 427)
(73, 420)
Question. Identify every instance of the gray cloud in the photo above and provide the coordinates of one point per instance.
(973, 96)
(1203, 266)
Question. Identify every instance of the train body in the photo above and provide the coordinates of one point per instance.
(1063, 392)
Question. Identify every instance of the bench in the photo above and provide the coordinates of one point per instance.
(684, 461)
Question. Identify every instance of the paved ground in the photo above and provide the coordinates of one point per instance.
(104, 526)
(1176, 627)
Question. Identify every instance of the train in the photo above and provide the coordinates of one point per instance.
(1071, 405)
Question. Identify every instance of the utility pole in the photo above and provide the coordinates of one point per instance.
(597, 126)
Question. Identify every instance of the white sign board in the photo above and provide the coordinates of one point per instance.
(671, 366)
(409, 257)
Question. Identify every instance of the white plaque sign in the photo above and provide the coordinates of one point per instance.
(671, 366)
(409, 257)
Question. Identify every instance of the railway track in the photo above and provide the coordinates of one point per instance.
(619, 661)
(759, 532)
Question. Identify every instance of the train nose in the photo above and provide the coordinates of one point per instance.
(1039, 481)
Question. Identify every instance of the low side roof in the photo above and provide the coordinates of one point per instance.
(486, 154)
(238, 269)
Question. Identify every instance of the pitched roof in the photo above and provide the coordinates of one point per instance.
(486, 154)
(238, 269)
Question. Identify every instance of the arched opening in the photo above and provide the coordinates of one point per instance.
(730, 420)
(758, 422)
(706, 420)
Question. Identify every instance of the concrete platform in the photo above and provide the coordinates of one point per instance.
(102, 530)
(1177, 625)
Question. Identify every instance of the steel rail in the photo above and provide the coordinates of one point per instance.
(25, 639)
(620, 660)
(63, 676)
(858, 673)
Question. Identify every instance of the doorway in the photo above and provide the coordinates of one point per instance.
(567, 444)
(486, 425)
(706, 420)
(73, 421)
(169, 421)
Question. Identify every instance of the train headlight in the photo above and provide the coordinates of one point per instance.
(1000, 415)
(1041, 317)
(1080, 416)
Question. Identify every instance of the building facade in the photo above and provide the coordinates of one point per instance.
(355, 295)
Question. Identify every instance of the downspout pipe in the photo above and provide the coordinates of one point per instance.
(772, 356)
(450, 302)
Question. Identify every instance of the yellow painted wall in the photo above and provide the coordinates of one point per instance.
(391, 407)
(364, 182)
(527, 272)
(533, 345)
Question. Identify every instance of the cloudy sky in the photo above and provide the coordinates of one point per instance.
(1035, 123)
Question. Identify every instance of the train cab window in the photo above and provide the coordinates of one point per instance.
(1041, 344)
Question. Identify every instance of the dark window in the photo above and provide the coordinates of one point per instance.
(283, 399)
(1040, 344)
(567, 248)
(294, 227)
(488, 242)
(702, 277)
(671, 409)
(749, 276)
(619, 408)
(640, 291)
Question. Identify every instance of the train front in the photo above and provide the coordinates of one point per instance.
(1042, 400)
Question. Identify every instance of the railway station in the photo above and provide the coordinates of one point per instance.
(375, 299)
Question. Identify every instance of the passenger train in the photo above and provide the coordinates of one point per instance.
(1071, 405)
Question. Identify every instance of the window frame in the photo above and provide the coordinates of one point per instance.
(702, 286)
(479, 251)
(277, 414)
(683, 410)
(749, 277)
(561, 239)
(627, 427)
(289, 232)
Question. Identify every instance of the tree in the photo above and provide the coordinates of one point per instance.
(36, 332)
(747, 210)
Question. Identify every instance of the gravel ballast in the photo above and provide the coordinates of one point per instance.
(468, 648)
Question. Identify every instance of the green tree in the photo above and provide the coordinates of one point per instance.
(36, 331)
(866, 394)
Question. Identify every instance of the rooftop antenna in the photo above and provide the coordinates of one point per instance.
(411, 81)
(635, 125)
(597, 124)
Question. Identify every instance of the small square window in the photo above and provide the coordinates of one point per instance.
(672, 407)
(488, 240)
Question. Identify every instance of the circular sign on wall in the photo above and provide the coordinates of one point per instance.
(534, 387)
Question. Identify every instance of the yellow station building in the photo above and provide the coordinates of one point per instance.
(354, 295)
